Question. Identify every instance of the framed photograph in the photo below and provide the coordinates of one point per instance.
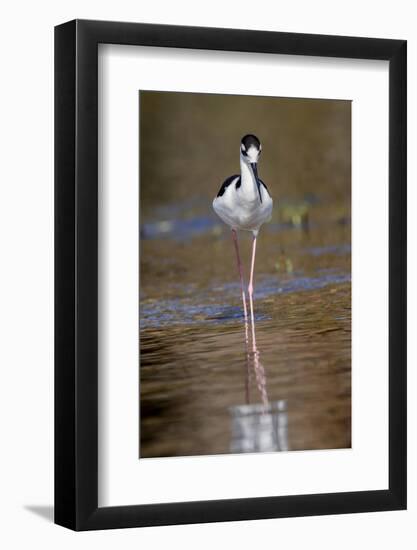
(230, 254)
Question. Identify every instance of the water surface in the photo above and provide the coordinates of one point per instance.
(204, 388)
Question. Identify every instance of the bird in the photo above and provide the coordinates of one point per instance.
(244, 203)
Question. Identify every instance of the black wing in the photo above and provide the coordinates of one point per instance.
(267, 190)
(226, 184)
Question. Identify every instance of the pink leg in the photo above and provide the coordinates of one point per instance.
(258, 367)
(239, 265)
(250, 287)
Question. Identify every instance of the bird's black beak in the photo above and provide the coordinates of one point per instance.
(254, 167)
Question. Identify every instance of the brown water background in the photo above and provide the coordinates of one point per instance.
(203, 389)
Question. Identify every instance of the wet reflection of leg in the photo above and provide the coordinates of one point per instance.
(258, 427)
(259, 371)
(247, 363)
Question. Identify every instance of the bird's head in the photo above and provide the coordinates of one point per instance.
(250, 151)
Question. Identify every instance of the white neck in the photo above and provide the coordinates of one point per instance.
(248, 182)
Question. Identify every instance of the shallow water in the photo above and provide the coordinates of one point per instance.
(206, 386)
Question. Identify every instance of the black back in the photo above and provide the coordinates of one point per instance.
(226, 184)
(266, 188)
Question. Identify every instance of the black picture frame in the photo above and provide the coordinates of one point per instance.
(76, 273)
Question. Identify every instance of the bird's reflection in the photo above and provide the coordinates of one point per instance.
(261, 426)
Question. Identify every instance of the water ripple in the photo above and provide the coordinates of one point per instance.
(185, 311)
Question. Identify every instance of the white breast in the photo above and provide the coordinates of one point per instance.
(243, 210)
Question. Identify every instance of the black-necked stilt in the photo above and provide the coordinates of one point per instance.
(243, 202)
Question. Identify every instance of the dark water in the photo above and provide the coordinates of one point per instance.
(204, 390)
(208, 384)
